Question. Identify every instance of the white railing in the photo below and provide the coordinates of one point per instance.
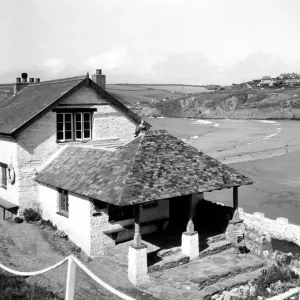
(70, 284)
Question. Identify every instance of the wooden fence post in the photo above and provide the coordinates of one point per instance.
(70, 286)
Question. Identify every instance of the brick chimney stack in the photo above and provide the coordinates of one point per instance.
(99, 78)
(19, 85)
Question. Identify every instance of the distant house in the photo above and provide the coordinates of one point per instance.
(267, 81)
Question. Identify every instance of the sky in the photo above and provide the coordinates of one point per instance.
(150, 41)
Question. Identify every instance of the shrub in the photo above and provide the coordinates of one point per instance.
(61, 234)
(274, 274)
(18, 220)
(48, 223)
(31, 215)
(75, 249)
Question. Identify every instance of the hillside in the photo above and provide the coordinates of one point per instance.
(233, 104)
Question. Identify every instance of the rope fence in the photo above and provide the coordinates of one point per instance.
(70, 284)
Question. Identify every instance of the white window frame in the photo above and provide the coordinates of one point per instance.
(82, 126)
(64, 123)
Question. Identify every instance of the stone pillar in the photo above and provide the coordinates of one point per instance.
(137, 264)
(190, 238)
(235, 198)
(137, 255)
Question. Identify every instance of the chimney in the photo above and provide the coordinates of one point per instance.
(37, 80)
(99, 78)
(31, 80)
(18, 86)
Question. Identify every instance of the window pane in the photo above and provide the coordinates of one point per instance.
(78, 134)
(78, 117)
(86, 117)
(67, 117)
(86, 125)
(68, 135)
(68, 126)
(60, 135)
(60, 117)
(87, 134)
(60, 126)
(78, 126)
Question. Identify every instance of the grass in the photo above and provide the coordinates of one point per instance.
(16, 288)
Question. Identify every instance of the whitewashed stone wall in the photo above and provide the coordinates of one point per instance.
(77, 226)
(35, 145)
(8, 154)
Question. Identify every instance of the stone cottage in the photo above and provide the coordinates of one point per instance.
(67, 147)
(41, 118)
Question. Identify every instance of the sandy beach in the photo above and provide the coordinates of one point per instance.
(257, 149)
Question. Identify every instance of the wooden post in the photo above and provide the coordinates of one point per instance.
(70, 287)
(190, 225)
(137, 240)
(235, 198)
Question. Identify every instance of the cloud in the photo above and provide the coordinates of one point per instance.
(254, 66)
(116, 57)
(54, 65)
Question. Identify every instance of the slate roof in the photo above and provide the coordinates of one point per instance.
(31, 100)
(38, 98)
(151, 167)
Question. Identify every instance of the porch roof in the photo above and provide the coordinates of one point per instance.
(153, 166)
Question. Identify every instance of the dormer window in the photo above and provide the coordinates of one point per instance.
(74, 126)
(64, 127)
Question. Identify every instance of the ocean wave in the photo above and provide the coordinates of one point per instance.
(268, 122)
(216, 125)
(204, 122)
(194, 137)
(273, 134)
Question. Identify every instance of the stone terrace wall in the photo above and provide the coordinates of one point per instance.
(279, 228)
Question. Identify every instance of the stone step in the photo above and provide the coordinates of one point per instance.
(168, 262)
(215, 248)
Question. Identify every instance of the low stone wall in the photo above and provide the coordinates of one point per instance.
(279, 228)
(259, 234)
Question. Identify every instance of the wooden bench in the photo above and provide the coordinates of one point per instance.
(7, 206)
(113, 233)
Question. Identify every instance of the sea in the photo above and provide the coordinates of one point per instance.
(265, 150)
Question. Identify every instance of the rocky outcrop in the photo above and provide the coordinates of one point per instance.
(233, 105)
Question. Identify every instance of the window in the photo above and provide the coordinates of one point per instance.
(74, 126)
(3, 175)
(64, 126)
(82, 126)
(63, 203)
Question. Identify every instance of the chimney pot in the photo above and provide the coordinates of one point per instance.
(37, 80)
(31, 80)
(98, 72)
(18, 79)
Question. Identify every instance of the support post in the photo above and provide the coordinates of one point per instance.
(137, 254)
(137, 239)
(235, 198)
(190, 229)
(190, 238)
(70, 287)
